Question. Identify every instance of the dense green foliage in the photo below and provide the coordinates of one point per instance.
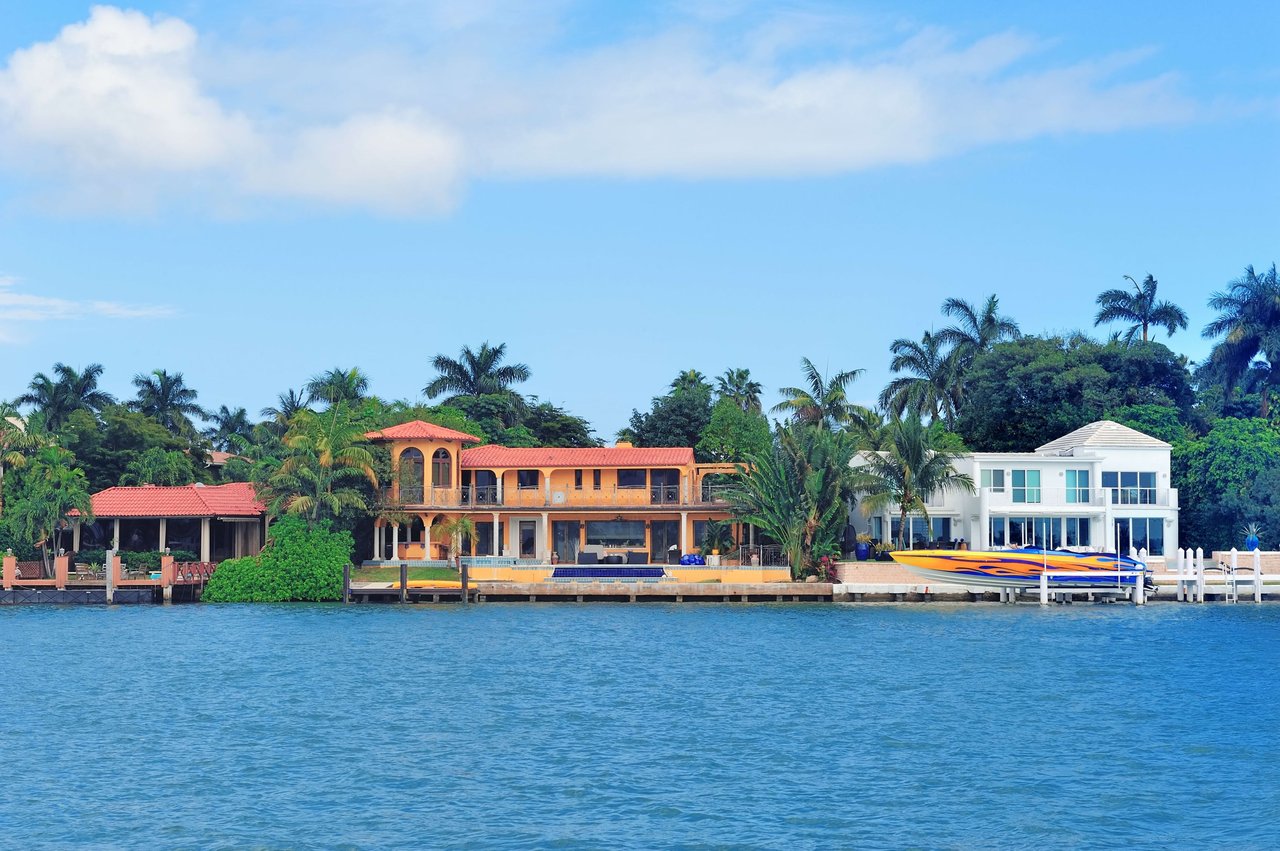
(298, 564)
(158, 466)
(48, 489)
(676, 419)
(1226, 479)
(1035, 389)
(105, 445)
(733, 434)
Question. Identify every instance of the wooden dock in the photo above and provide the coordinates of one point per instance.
(595, 592)
(25, 582)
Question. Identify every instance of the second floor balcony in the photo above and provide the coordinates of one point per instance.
(1066, 499)
(491, 497)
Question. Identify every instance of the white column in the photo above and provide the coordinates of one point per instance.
(75, 536)
(501, 476)
(544, 549)
(204, 539)
(426, 537)
(684, 532)
(497, 545)
(164, 532)
(377, 537)
(115, 541)
(395, 540)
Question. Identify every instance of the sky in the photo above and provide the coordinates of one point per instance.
(252, 192)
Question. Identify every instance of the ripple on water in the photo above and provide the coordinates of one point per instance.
(582, 726)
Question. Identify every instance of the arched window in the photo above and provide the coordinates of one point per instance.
(411, 476)
(442, 469)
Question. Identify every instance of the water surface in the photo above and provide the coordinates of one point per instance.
(930, 726)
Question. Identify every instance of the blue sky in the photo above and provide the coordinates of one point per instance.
(250, 193)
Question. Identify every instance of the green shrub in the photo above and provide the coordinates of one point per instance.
(10, 540)
(298, 564)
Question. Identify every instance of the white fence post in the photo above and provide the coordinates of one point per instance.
(1181, 572)
(1257, 576)
(1044, 588)
(1200, 574)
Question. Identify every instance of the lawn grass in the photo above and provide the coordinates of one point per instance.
(392, 574)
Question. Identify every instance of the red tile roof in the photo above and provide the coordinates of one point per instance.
(231, 500)
(418, 430)
(610, 456)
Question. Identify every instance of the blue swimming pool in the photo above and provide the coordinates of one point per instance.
(643, 726)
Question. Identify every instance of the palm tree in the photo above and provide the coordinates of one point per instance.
(338, 385)
(68, 391)
(736, 385)
(167, 400)
(17, 441)
(453, 530)
(287, 404)
(690, 379)
(325, 456)
(475, 373)
(824, 402)
(932, 387)
(976, 331)
(1141, 308)
(1249, 323)
(796, 492)
(908, 473)
(226, 425)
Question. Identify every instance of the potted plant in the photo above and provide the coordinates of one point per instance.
(1252, 536)
(862, 550)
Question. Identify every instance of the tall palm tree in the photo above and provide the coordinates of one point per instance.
(736, 385)
(228, 423)
(976, 330)
(453, 530)
(287, 404)
(69, 390)
(325, 457)
(825, 402)
(168, 400)
(338, 385)
(475, 373)
(17, 440)
(931, 388)
(1249, 323)
(690, 379)
(908, 473)
(1140, 308)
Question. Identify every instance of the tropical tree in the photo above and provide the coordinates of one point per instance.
(677, 419)
(338, 385)
(324, 456)
(737, 386)
(287, 404)
(49, 490)
(976, 329)
(168, 400)
(797, 493)
(158, 466)
(475, 373)
(825, 402)
(228, 424)
(690, 379)
(1248, 322)
(1140, 308)
(69, 390)
(17, 440)
(908, 473)
(453, 530)
(733, 434)
(931, 389)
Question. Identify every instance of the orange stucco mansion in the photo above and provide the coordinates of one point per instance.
(543, 504)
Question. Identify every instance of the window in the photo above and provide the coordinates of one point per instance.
(442, 469)
(1077, 486)
(941, 528)
(1131, 488)
(1077, 532)
(616, 533)
(527, 479)
(1026, 486)
(993, 480)
(877, 529)
(411, 476)
(577, 480)
(595, 480)
(997, 532)
(919, 530)
(484, 539)
(632, 478)
(1141, 533)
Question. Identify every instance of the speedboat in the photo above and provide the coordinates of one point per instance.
(1018, 568)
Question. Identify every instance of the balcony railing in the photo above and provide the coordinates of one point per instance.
(487, 497)
(1068, 498)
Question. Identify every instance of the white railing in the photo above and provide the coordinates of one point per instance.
(1056, 498)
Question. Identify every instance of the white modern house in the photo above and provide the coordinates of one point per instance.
(1101, 486)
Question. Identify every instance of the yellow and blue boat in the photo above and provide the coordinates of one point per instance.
(1018, 567)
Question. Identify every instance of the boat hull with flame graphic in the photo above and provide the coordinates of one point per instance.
(1018, 567)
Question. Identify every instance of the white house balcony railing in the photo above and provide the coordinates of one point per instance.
(489, 497)
(1066, 499)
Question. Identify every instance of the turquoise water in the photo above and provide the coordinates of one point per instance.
(930, 726)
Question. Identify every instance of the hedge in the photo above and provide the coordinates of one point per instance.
(298, 564)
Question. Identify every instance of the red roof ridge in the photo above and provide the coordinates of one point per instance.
(420, 430)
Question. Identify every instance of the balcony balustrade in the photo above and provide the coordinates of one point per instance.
(489, 497)
(1068, 498)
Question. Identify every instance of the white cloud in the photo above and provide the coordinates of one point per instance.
(123, 105)
(21, 310)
